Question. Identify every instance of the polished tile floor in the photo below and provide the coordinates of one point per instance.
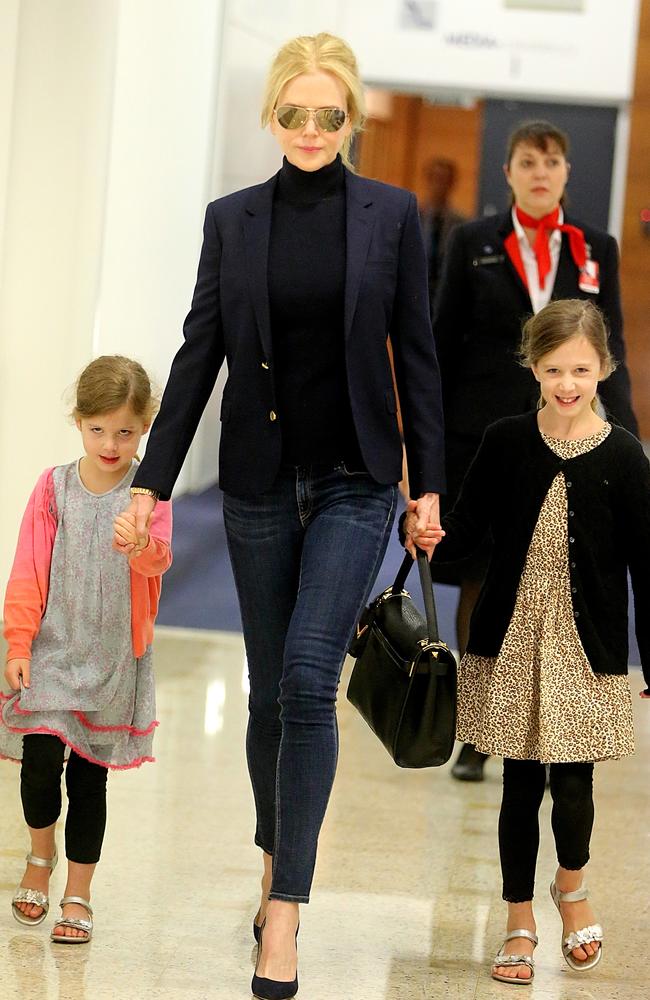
(406, 903)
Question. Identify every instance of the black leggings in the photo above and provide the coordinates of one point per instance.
(572, 819)
(40, 790)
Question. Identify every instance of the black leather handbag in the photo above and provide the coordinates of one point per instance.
(404, 680)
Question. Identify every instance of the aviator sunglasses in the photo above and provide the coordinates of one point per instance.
(291, 116)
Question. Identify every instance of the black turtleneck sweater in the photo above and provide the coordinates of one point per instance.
(306, 275)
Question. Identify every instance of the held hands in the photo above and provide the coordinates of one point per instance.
(125, 539)
(422, 524)
(131, 527)
(15, 671)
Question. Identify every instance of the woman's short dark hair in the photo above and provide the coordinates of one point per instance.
(537, 134)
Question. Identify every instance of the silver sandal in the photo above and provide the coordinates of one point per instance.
(502, 958)
(25, 895)
(80, 925)
(586, 935)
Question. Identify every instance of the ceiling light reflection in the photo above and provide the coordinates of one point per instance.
(215, 699)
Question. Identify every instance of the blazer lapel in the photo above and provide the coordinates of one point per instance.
(504, 229)
(257, 233)
(360, 222)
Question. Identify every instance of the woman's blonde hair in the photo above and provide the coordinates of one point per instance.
(112, 381)
(309, 54)
(557, 323)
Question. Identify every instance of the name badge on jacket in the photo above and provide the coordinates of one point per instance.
(590, 277)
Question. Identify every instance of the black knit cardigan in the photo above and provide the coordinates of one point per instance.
(608, 512)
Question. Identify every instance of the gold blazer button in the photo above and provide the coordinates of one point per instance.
(273, 415)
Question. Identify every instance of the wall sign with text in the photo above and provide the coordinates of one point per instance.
(581, 50)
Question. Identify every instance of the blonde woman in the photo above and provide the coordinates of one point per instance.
(301, 281)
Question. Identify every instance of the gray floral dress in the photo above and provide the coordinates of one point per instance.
(539, 699)
(86, 686)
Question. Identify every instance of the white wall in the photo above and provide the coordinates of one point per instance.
(160, 177)
(9, 11)
(52, 175)
(585, 52)
(107, 123)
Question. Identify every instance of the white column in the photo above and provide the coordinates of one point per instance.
(160, 173)
(55, 99)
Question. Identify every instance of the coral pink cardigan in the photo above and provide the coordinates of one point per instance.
(26, 597)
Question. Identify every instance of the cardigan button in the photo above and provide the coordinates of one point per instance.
(605, 482)
(574, 590)
(571, 513)
(569, 484)
(572, 539)
(576, 614)
(573, 565)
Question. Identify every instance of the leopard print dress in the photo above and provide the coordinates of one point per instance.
(539, 699)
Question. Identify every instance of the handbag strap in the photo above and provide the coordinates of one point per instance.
(427, 590)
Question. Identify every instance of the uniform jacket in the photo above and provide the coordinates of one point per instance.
(27, 589)
(608, 491)
(385, 294)
(478, 315)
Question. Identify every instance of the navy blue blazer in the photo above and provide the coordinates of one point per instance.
(385, 295)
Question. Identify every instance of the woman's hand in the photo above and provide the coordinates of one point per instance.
(132, 535)
(15, 671)
(422, 524)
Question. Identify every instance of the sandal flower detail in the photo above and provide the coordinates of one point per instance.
(80, 925)
(503, 959)
(25, 895)
(586, 935)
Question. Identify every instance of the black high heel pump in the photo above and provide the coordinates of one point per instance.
(271, 989)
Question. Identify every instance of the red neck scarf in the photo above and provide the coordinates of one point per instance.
(545, 227)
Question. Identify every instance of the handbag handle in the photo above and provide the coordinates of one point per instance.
(427, 590)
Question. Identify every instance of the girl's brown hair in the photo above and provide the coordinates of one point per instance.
(309, 54)
(112, 381)
(557, 323)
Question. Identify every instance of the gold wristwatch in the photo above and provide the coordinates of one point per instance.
(142, 490)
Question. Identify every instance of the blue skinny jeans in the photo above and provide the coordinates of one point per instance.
(305, 555)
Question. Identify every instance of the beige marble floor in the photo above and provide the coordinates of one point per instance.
(406, 902)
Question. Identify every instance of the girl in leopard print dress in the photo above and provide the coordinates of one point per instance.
(566, 497)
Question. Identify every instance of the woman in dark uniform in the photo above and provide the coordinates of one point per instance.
(498, 271)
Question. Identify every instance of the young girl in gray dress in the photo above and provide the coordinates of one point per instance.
(566, 497)
(79, 614)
